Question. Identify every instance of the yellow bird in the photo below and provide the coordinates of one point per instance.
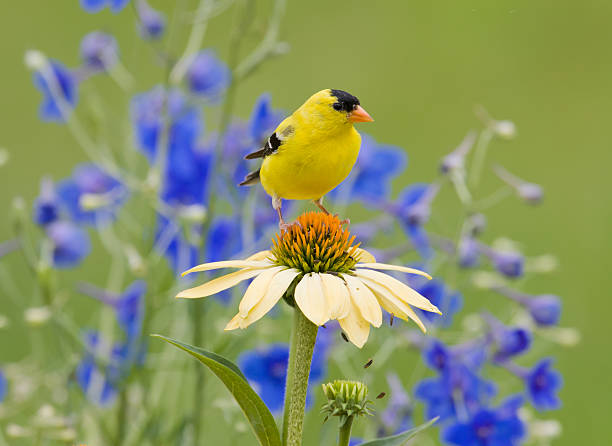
(312, 151)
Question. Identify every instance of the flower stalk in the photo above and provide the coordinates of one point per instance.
(303, 337)
(344, 436)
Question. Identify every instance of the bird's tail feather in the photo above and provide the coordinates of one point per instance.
(251, 178)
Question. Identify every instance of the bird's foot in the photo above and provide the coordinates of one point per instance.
(284, 227)
(346, 221)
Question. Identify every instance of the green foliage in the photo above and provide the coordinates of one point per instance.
(261, 420)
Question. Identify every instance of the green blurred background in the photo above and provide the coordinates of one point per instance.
(419, 68)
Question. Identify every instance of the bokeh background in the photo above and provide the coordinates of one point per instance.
(419, 69)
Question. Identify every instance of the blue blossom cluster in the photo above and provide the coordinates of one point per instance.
(105, 366)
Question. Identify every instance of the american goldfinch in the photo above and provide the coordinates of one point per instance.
(310, 152)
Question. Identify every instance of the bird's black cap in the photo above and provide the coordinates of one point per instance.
(346, 101)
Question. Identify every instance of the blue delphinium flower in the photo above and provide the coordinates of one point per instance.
(46, 206)
(70, 243)
(412, 209)
(3, 386)
(152, 22)
(264, 119)
(93, 6)
(468, 252)
(509, 341)
(99, 51)
(62, 85)
(449, 302)
(129, 308)
(377, 165)
(207, 76)
(99, 383)
(489, 427)
(90, 195)
(545, 309)
(542, 384)
(509, 263)
(458, 387)
(147, 119)
(266, 369)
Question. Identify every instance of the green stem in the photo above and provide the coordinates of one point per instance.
(479, 156)
(121, 417)
(344, 436)
(199, 315)
(303, 337)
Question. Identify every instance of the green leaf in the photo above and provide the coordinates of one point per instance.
(261, 420)
(399, 439)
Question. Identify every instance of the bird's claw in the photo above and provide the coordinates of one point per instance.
(346, 221)
(284, 227)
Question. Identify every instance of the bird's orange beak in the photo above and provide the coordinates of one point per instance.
(359, 115)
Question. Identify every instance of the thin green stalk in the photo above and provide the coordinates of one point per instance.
(479, 156)
(303, 337)
(121, 417)
(344, 436)
(199, 316)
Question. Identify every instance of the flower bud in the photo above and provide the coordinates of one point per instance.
(37, 316)
(346, 399)
(99, 51)
(152, 22)
(544, 309)
(504, 129)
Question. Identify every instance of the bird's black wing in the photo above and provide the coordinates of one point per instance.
(269, 148)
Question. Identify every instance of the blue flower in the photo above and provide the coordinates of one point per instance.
(152, 22)
(46, 206)
(510, 341)
(99, 51)
(207, 76)
(100, 383)
(266, 369)
(70, 244)
(488, 427)
(377, 165)
(3, 386)
(413, 208)
(93, 6)
(544, 309)
(456, 390)
(63, 84)
(469, 254)
(89, 185)
(438, 294)
(224, 239)
(543, 383)
(264, 119)
(508, 263)
(169, 239)
(129, 308)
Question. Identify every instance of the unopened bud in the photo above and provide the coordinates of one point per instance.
(37, 316)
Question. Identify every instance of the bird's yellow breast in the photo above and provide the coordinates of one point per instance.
(311, 162)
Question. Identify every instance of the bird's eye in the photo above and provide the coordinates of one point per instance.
(337, 106)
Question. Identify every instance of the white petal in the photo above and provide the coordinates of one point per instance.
(337, 296)
(311, 300)
(228, 264)
(361, 255)
(393, 304)
(401, 290)
(257, 290)
(364, 299)
(276, 289)
(386, 266)
(357, 329)
(261, 255)
(234, 323)
(220, 283)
